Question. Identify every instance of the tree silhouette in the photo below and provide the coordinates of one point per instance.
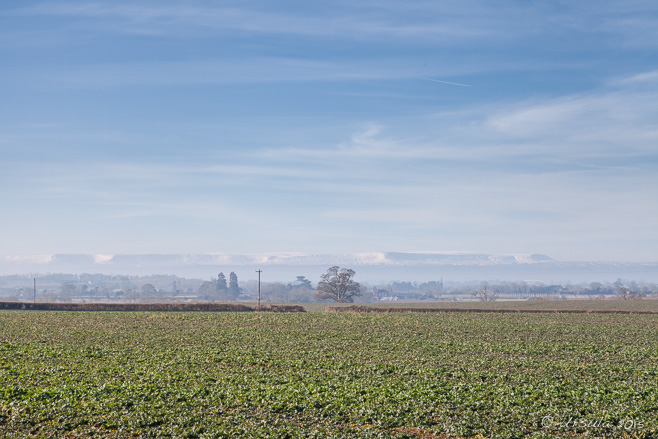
(302, 282)
(233, 288)
(337, 284)
(221, 283)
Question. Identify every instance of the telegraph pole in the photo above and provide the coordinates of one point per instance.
(259, 272)
(35, 289)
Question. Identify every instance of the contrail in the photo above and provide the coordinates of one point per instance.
(444, 82)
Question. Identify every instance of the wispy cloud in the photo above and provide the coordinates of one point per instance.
(609, 127)
(641, 78)
(342, 119)
(438, 23)
(232, 70)
(606, 125)
(336, 22)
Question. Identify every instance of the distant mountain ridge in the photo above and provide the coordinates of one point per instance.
(214, 259)
(370, 266)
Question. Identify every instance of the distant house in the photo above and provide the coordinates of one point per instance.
(379, 294)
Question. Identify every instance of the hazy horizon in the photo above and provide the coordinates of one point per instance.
(370, 267)
(254, 127)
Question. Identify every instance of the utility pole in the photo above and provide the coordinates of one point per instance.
(35, 289)
(259, 272)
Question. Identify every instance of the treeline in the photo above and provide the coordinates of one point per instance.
(486, 291)
(219, 289)
(96, 287)
(489, 291)
(91, 288)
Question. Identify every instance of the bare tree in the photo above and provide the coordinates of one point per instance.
(148, 289)
(67, 291)
(622, 290)
(208, 291)
(636, 291)
(485, 292)
(337, 284)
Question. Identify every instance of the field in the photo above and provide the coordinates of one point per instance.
(568, 305)
(152, 374)
(607, 305)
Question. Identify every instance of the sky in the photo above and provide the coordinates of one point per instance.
(248, 127)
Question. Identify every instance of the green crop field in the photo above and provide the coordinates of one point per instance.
(150, 374)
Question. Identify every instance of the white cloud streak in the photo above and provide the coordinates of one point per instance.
(233, 70)
(444, 82)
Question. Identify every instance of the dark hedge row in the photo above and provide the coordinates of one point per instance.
(178, 307)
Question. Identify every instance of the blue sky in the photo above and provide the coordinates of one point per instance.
(330, 127)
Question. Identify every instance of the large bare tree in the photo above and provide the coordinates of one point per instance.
(486, 293)
(337, 284)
